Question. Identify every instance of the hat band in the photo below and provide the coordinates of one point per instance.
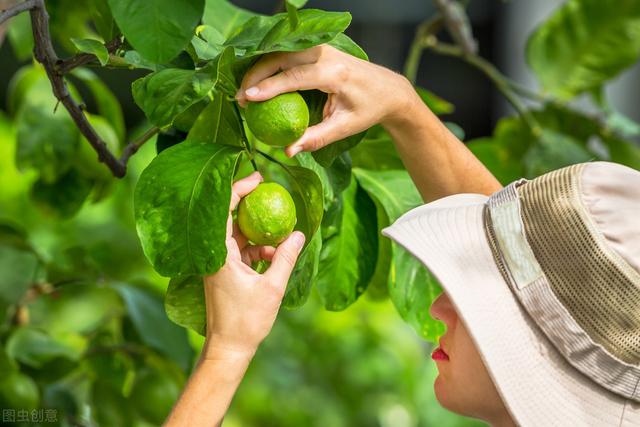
(521, 270)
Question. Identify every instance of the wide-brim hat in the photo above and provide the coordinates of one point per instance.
(545, 274)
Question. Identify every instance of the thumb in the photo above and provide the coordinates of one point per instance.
(285, 259)
(331, 129)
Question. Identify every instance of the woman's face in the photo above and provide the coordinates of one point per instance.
(463, 384)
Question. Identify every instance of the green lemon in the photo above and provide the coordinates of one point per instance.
(278, 121)
(18, 391)
(267, 215)
(153, 395)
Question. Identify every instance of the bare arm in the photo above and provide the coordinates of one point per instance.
(241, 308)
(362, 94)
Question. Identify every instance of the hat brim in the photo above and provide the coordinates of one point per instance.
(536, 383)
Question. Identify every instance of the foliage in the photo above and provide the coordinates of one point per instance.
(86, 317)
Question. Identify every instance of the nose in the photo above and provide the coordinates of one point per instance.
(442, 309)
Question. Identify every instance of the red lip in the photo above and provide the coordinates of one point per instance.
(439, 355)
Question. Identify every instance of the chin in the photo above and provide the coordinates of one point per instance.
(444, 395)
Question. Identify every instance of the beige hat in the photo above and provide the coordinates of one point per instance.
(546, 276)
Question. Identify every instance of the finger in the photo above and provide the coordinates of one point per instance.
(243, 187)
(284, 259)
(240, 238)
(251, 254)
(302, 77)
(331, 129)
(270, 64)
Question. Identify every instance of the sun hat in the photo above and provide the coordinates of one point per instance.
(545, 274)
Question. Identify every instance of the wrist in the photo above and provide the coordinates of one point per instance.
(408, 111)
(216, 349)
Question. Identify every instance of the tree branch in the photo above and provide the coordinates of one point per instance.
(489, 70)
(424, 31)
(17, 9)
(458, 26)
(133, 147)
(66, 65)
(55, 68)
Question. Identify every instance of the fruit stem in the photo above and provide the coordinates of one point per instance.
(245, 140)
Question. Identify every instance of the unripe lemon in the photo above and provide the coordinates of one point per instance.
(267, 215)
(278, 121)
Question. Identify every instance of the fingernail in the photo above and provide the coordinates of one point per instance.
(252, 91)
(295, 150)
(298, 239)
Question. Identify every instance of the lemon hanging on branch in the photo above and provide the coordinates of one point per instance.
(278, 121)
(267, 215)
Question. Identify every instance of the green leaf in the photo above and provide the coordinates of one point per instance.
(93, 47)
(166, 93)
(154, 328)
(411, 287)
(208, 42)
(110, 407)
(35, 348)
(219, 123)
(181, 206)
(18, 270)
(307, 193)
(79, 309)
(348, 258)
(103, 19)
(304, 274)
(377, 151)
(160, 29)
(292, 7)
(334, 179)
(63, 197)
(46, 139)
(185, 304)
(378, 287)
(315, 27)
(344, 43)
(436, 104)
(225, 16)
(584, 44)
(106, 102)
(553, 151)
(624, 152)
(248, 36)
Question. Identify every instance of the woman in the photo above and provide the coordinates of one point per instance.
(541, 280)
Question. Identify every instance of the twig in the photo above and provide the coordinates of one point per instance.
(244, 139)
(488, 69)
(425, 29)
(133, 147)
(17, 9)
(66, 65)
(457, 23)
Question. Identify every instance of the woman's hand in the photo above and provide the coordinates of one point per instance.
(242, 304)
(361, 93)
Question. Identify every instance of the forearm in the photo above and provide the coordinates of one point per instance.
(208, 394)
(438, 162)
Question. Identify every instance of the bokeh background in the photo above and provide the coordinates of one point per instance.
(362, 367)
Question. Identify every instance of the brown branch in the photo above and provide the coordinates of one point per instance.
(55, 68)
(66, 65)
(134, 146)
(17, 9)
(457, 24)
